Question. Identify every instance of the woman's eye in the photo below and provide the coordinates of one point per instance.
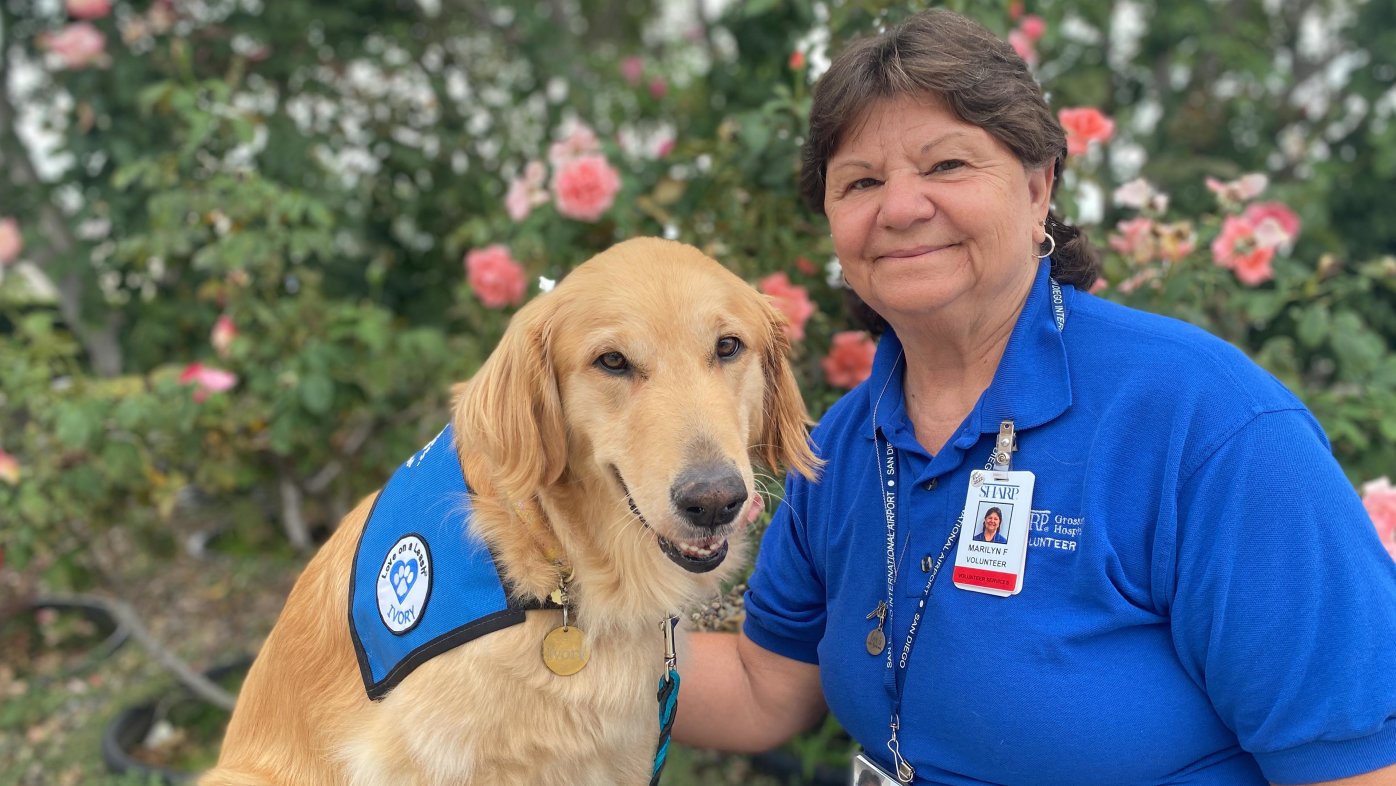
(945, 166)
(613, 362)
(728, 347)
(861, 183)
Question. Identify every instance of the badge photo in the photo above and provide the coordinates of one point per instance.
(404, 584)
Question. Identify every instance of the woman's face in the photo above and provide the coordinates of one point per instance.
(991, 524)
(932, 216)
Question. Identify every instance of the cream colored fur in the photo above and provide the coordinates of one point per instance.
(542, 434)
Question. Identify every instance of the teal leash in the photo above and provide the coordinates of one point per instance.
(668, 698)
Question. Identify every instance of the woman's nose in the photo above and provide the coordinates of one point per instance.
(905, 201)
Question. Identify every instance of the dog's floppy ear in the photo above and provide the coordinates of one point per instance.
(511, 410)
(785, 422)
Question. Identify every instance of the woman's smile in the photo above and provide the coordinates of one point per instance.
(913, 252)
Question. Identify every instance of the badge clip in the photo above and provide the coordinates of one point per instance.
(1004, 447)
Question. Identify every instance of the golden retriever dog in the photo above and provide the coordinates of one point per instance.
(608, 446)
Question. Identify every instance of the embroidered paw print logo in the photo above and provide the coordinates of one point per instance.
(403, 576)
(404, 584)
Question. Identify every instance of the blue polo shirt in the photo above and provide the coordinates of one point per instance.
(1205, 600)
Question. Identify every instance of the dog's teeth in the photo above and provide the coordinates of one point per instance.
(700, 550)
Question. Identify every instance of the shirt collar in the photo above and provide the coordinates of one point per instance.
(1032, 385)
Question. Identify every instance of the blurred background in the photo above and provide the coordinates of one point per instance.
(247, 246)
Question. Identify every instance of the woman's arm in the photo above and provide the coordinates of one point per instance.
(736, 696)
(1386, 776)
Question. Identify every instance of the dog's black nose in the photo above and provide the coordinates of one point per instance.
(709, 496)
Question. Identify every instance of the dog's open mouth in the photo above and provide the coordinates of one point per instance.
(695, 556)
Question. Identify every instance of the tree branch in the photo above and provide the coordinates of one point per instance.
(201, 686)
(292, 517)
(100, 342)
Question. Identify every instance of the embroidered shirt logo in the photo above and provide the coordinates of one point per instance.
(1055, 531)
(404, 584)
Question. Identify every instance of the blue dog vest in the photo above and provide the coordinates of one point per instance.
(423, 582)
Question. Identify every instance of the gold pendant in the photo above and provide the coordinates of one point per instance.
(565, 650)
(876, 641)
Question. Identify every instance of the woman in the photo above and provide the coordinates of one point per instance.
(989, 527)
(1151, 639)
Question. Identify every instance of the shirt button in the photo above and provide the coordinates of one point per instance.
(931, 484)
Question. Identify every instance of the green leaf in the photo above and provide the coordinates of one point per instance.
(316, 392)
(1313, 326)
(75, 426)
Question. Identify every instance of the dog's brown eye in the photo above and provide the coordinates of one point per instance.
(728, 347)
(613, 362)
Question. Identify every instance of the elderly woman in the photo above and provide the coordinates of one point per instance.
(1145, 637)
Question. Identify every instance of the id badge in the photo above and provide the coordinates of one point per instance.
(867, 773)
(994, 539)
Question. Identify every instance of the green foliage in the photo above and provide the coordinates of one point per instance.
(314, 172)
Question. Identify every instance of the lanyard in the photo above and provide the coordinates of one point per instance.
(894, 675)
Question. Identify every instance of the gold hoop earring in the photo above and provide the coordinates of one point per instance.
(1051, 246)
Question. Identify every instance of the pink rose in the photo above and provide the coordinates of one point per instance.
(77, 45)
(1237, 249)
(1022, 44)
(11, 241)
(1032, 26)
(495, 277)
(585, 187)
(632, 68)
(1140, 194)
(1379, 498)
(792, 300)
(9, 468)
(206, 380)
(88, 9)
(1286, 219)
(1235, 233)
(224, 331)
(798, 61)
(1253, 268)
(1234, 192)
(850, 359)
(1135, 240)
(579, 141)
(1083, 126)
(658, 87)
(526, 191)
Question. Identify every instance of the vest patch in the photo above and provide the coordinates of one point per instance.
(404, 584)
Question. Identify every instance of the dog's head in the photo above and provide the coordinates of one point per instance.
(651, 377)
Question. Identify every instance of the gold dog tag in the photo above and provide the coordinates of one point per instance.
(565, 651)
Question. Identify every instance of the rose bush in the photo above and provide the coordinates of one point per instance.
(245, 248)
(285, 193)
